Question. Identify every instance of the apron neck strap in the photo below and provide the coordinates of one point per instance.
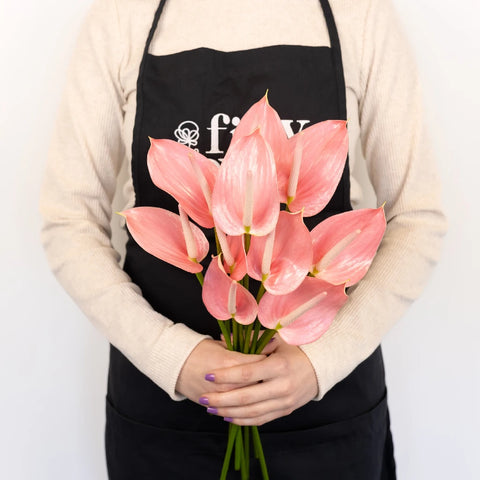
(336, 58)
(334, 45)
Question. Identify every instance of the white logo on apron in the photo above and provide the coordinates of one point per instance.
(187, 133)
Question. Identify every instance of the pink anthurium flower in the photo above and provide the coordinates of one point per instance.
(262, 115)
(245, 196)
(303, 315)
(282, 259)
(312, 165)
(224, 298)
(167, 236)
(234, 256)
(186, 175)
(344, 245)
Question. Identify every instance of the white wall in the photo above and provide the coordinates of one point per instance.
(54, 364)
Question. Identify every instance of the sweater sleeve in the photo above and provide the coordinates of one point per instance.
(403, 174)
(85, 156)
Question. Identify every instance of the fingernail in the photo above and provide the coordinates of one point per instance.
(203, 400)
(271, 340)
(212, 410)
(228, 419)
(210, 377)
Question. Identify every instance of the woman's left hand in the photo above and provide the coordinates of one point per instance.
(285, 380)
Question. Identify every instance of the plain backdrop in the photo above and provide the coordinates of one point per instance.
(53, 363)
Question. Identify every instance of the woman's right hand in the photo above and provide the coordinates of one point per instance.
(205, 357)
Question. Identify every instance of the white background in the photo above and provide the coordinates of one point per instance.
(53, 363)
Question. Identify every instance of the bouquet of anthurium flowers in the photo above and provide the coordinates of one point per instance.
(303, 274)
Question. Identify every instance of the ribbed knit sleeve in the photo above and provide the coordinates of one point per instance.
(86, 153)
(402, 170)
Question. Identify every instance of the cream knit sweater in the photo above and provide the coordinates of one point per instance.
(93, 138)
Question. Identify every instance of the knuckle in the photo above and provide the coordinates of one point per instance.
(245, 373)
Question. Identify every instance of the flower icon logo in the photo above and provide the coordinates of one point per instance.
(187, 133)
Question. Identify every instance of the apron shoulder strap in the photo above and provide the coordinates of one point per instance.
(336, 57)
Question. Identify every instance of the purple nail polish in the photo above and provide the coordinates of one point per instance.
(271, 340)
(203, 400)
(212, 410)
(228, 419)
(210, 377)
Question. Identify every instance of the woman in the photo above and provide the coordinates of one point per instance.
(187, 71)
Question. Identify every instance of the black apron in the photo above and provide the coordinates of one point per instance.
(197, 97)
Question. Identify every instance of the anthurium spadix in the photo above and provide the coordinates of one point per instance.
(245, 196)
(282, 259)
(262, 115)
(303, 315)
(344, 245)
(186, 175)
(312, 165)
(234, 256)
(224, 298)
(168, 237)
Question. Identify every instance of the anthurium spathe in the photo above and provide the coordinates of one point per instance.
(282, 259)
(186, 175)
(224, 298)
(162, 234)
(344, 245)
(312, 165)
(303, 315)
(262, 115)
(245, 196)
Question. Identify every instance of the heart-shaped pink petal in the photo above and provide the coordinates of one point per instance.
(159, 232)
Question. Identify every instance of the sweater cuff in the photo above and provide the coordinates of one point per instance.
(169, 355)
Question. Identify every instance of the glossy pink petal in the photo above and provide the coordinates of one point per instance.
(312, 166)
(186, 175)
(160, 233)
(224, 298)
(291, 255)
(245, 196)
(262, 115)
(305, 314)
(344, 245)
(234, 256)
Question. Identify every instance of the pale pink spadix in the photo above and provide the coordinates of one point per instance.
(224, 298)
(344, 245)
(305, 314)
(282, 259)
(186, 175)
(245, 196)
(160, 233)
(233, 253)
(312, 165)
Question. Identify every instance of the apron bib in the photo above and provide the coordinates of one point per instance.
(197, 97)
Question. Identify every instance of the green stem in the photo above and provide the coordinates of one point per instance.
(232, 435)
(235, 335)
(226, 333)
(248, 334)
(247, 242)
(241, 335)
(261, 457)
(255, 336)
(264, 339)
(219, 248)
(238, 450)
(243, 464)
(260, 293)
(200, 277)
